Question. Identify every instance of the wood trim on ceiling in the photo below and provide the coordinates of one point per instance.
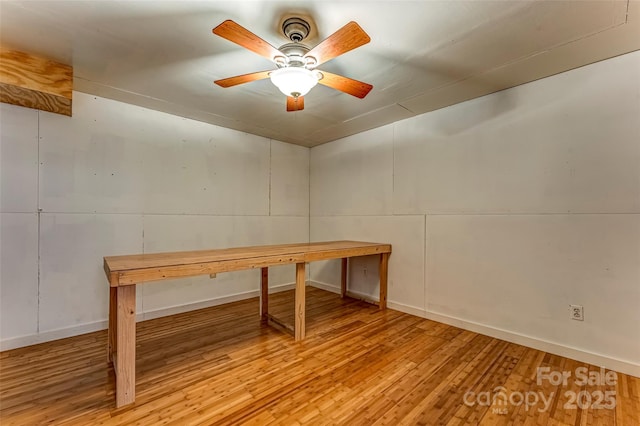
(34, 82)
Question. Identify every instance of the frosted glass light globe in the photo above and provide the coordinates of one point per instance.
(294, 81)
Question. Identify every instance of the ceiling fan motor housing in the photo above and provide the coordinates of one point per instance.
(296, 29)
(295, 55)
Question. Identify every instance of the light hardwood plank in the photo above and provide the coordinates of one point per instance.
(357, 366)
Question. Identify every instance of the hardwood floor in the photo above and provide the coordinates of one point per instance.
(358, 366)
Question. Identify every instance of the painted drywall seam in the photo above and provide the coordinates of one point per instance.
(143, 252)
(393, 166)
(309, 200)
(424, 265)
(38, 213)
(270, 172)
(309, 273)
(626, 16)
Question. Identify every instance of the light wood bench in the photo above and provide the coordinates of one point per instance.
(125, 272)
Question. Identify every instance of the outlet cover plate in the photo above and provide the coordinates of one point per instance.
(576, 312)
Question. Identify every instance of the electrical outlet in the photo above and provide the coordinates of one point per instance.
(576, 312)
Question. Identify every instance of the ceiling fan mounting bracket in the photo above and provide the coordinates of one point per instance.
(295, 29)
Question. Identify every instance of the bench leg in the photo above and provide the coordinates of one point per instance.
(384, 272)
(264, 295)
(113, 323)
(300, 302)
(343, 277)
(126, 343)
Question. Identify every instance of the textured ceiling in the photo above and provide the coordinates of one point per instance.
(423, 55)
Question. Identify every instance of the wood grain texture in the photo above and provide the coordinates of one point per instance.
(124, 272)
(28, 98)
(383, 271)
(295, 104)
(344, 84)
(134, 269)
(362, 298)
(241, 36)
(358, 366)
(244, 78)
(125, 363)
(342, 41)
(112, 341)
(34, 82)
(152, 260)
(136, 276)
(284, 326)
(344, 271)
(264, 293)
(301, 284)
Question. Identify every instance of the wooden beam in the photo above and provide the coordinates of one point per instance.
(112, 339)
(264, 293)
(384, 273)
(281, 325)
(126, 344)
(34, 82)
(136, 269)
(343, 276)
(301, 282)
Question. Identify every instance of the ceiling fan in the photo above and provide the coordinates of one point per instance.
(296, 73)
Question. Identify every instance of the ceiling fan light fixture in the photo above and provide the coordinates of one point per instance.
(294, 81)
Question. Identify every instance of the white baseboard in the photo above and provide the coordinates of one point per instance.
(608, 362)
(334, 289)
(62, 333)
(324, 286)
(47, 336)
(411, 310)
(599, 360)
(179, 309)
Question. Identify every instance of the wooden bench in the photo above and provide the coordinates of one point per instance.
(125, 272)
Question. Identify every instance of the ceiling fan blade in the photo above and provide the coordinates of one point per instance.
(295, 104)
(244, 78)
(240, 35)
(345, 84)
(345, 39)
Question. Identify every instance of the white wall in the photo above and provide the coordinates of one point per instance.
(118, 179)
(502, 211)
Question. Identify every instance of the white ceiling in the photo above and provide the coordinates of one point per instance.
(423, 55)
